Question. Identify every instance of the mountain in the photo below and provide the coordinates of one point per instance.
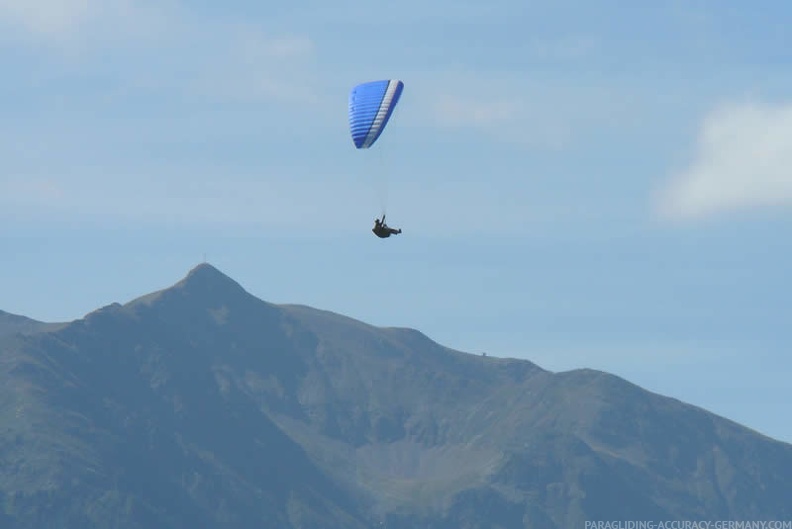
(203, 406)
(12, 324)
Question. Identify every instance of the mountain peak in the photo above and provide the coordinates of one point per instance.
(204, 284)
(207, 284)
(205, 276)
(206, 272)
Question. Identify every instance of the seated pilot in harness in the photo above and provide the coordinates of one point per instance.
(382, 230)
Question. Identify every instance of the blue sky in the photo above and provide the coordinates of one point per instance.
(582, 184)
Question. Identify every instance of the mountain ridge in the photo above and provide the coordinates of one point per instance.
(11, 324)
(209, 391)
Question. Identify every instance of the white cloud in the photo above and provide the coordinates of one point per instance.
(504, 115)
(457, 111)
(161, 45)
(288, 47)
(278, 200)
(71, 22)
(743, 161)
(254, 64)
(32, 191)
(537, 112)
(46, 17)
(252, 44)
(568, 48)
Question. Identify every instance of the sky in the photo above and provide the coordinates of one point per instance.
(580, 183)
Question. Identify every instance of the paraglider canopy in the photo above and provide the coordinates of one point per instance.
(370, 107)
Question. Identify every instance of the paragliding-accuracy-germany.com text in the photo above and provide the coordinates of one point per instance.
(689, 524)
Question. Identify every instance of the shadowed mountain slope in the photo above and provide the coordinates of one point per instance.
(203, 406)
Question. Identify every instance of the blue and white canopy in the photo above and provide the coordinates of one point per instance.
(370, 108)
